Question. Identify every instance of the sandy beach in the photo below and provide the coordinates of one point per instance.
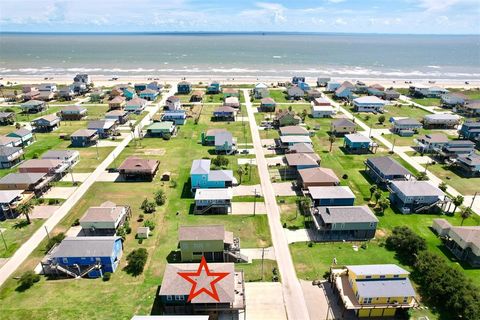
(104, 80)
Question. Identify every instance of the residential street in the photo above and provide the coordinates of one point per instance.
(292, 290)
(27, 248)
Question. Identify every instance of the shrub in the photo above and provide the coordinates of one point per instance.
(127, 227)
(76, 222)
(160, 197)
(28, 278)
(140, 217)
(381, 119)
(220, 161)
(52, 202)
(35, 155)
(345, 176)
(54, 240)
(150, 224)
(167, 136)
(405, 243)
(136, 261)
(147, 206)
(107, 276)
(173, 184)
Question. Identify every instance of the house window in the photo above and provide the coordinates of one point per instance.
(388, 300)
(382, 277)
(368, 277)
(372, 224)
(396, 276)
(367, 300)
(197, 253)
(179, 298)
(65, 260)
(405, 299)
(169, 298)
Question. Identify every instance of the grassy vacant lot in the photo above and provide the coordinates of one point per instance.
(371, 119)
(455, 178)
(15, 232)
(428, 102)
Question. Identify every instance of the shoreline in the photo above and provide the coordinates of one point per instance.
(105, 80)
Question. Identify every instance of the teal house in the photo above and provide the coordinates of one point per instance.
(140, 86)
(148, 94)
(24, 134)
(357, 143)
(214, 87)
(159, 129)
(201, 177)
(184, 87)
(129, 93)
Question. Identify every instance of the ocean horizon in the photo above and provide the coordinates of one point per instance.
(241, 54)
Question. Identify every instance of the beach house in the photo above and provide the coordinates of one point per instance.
(300, 161)
(179, 117)
(104, 220)
(322, 81)
(358, 143)
(345, 91)
(286, 142)
(470, 130)
(368, 104)
(84, 256)
(36, 183)
(332, 86)
(454, 99)
(66, 93)
(295, 93)
(210, 241)
(286, 118)
(375, 290)
(6, 141)
(224, 113)
(469, 163)
(391, 95)
(105, 128)
(33, 106)
(161, 129)
(454, 148)
(415, 196)
(441, 121)
(25, 136)
(470, 109)
(463, 242)
(428, 92)
(84, 138)
(213, 201)
(70, 113)
(68, 156)
(201, 177)
(267, 105)
(260, 91)
(140, 86)
(47, 91)
(138, 169)
(232, 102)
(343, 126)
(230, 92)
(46, 123)
(214, 88)
(184, 87)
(317, 177)
(148, 94)
(432, 142)
(51, 167)
(301, 147)
(174, 292)
(135, 105)
(331, 196)
(406, 127)
(81, 83)
(129, 93)
(293, 131)
(9, 201)
(7, 118)
(118, 102)
(173, 103)
(10, 156)
(383, 170)
(197, 96)
(322, 111)
(222, 139)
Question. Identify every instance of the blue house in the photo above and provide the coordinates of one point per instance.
(297, 79)
(140, 86)
(330, 196)
(84, 256)
(24, 134)
(154, 85)
(332, 86)
(345, 91)
(214, 88)
(201, 177)
(357, 143)
(470, 163)
(179, 117)
(304, 86)
(148, 94)
(224, 113)
(129, 93)
(184, 87)
(415, 196)
(470, 130)
(450, 100)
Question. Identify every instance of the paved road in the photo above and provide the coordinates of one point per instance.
(292, 291)
(27, 248)
(399, 151)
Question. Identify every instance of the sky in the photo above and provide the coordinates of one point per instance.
(358, 16)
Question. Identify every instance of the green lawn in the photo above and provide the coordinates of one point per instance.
(371, 119)
(428, 102)
(15, 232)
(455, 178)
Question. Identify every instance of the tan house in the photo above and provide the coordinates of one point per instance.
(317, 177)
(118, 102)
(286, 118)
(342, 127)
(138, 169)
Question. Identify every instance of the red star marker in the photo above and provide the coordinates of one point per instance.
(201, 278)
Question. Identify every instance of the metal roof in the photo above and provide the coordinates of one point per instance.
(331, 192)
(377, 269)
(220, 175)
(385, 288)
(214, 194)
(7, 196)
(85, 247)
(200, 166)
(21, 178)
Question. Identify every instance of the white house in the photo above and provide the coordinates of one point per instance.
(369, 104)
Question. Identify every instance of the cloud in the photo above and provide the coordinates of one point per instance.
(335, 1)
(274, 9)
(444, 5)
(340, 22)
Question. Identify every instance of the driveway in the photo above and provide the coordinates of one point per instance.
(246, 208)
(242, 161)
(299, 235)
(285, 189)
(78, 177)
(59, 193)
(108, 176)
(256, 253)
(106, 143)
(43, 212)
(264, 300)
(267, 142)
(242, 190)
(275, 161)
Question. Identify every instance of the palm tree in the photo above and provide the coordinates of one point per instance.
(442, 186)
(331, 139)
(240, 173)
(384, 204)
(465, 214)
(25, 209)
(373, 189)
(305, 204)
(457, 201)
(377, 195)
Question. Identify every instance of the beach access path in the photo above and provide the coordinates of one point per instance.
(27, 248)
(401, 153)
(292, 291)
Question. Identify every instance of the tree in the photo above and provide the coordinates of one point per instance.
(240, 173)
(405, 243)
(27, 279)
(377, 195)
(422, 176)
(465, 214)
(160, 197)
(304, 115)
(305, 205)
(166, 136)
(54, 240)
(442, 186)
(381, 119)
(25, 209)
(373, 189)
(290, 108)
(331, 139)
(136, 261)
(147, 206)
(220, 161)
(384, 203)
(457, 201)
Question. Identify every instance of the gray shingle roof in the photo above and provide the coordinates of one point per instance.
(343, 123)
(205, 232)
(59, 154)
(385, 288)
(220, 175)
(323, 175)
(343, 214)
(85, 247)
(417, 188)
(298, 130)
(388, 166)
(6, 151)
(21, 178)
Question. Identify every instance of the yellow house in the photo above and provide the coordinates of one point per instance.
(376, 290)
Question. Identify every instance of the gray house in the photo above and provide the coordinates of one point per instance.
(432, 142)
(415, 196)
(385, 169)
(295, 93)
(356, 223)
(10, 156)
(33, 106)
(406, 127)
(46, 123)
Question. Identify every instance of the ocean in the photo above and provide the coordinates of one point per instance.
(336, 55)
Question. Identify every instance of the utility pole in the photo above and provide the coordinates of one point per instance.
(393, 145)
(48, 234)
(96, 144)
(263, 255)
(473, 199)
(254, 201)
(4, 242)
